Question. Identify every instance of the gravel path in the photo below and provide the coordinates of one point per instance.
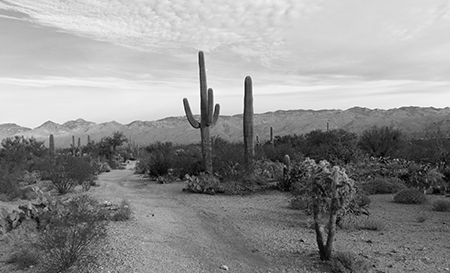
(172, 231)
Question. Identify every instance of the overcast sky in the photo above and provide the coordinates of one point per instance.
(127, 60)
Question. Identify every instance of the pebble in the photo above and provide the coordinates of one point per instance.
(224, 267)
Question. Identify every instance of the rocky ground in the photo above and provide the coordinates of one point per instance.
(173, 231)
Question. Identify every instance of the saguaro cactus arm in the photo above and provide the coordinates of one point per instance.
(190, 117)
(216, 115)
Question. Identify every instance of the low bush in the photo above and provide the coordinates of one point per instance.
(371, 224)
(410, 196)
(9, 185)
(441, 205)
(24, 258)
(348, 262)
(383, 186)
(363, 200)
(21, 243)
(422, 217)
(123, 212)
(71, 233)
(65, 172)
(300, 203)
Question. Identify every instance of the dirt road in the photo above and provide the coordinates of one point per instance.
(173, 231)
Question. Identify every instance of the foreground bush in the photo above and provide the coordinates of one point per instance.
(410, 196)
(71, 233)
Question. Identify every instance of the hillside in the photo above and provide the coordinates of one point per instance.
(413, 121)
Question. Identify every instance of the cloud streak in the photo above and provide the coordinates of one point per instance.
(251, 28)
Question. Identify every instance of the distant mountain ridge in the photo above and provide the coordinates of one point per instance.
(411, 120)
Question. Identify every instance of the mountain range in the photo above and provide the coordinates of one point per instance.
(413, 121)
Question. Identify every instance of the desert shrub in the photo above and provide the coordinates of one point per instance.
(29, 178)
(159, 164)
(123, 212)
(65, 172)
(383, 186)
(73, 230)
(20, 243)
(157, 160)
(277, 152)
(441, 205)
(348, 262)
(228, 160)
(188, 160)
(381, 141)
(300, 203)
(336, 146)
(20, 153)
(9, 185)
(410, 196)
(371, 224)
(363, 200)
(422, 176)
(23, 258)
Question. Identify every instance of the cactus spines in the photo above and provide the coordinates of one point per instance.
(209, 114)
(249, 139)
(51, 145)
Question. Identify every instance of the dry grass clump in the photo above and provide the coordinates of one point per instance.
(441, 205)
(372, 224)
(348, 262)
(123, 213)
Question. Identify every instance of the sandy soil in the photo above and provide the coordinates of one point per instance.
(173, 231)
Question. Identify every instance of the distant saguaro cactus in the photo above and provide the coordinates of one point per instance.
(208, 115)
(287, 166)
(249, 139)
(51, 145)
(271, 136)
(73, 146)
(79, 147)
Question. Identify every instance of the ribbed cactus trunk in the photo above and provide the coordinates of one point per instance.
(271, 136)
(79, 147)
(209, 115)
(73, 146)
(88, 139)
(249, 139)
(51, 145)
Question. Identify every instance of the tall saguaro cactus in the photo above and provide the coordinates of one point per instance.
(249, 139)
(209, 114)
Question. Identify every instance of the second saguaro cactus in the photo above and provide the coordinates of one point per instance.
(51, 145)
(249, 139)
(209, 114)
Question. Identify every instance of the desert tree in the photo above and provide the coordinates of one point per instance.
(381, 141)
